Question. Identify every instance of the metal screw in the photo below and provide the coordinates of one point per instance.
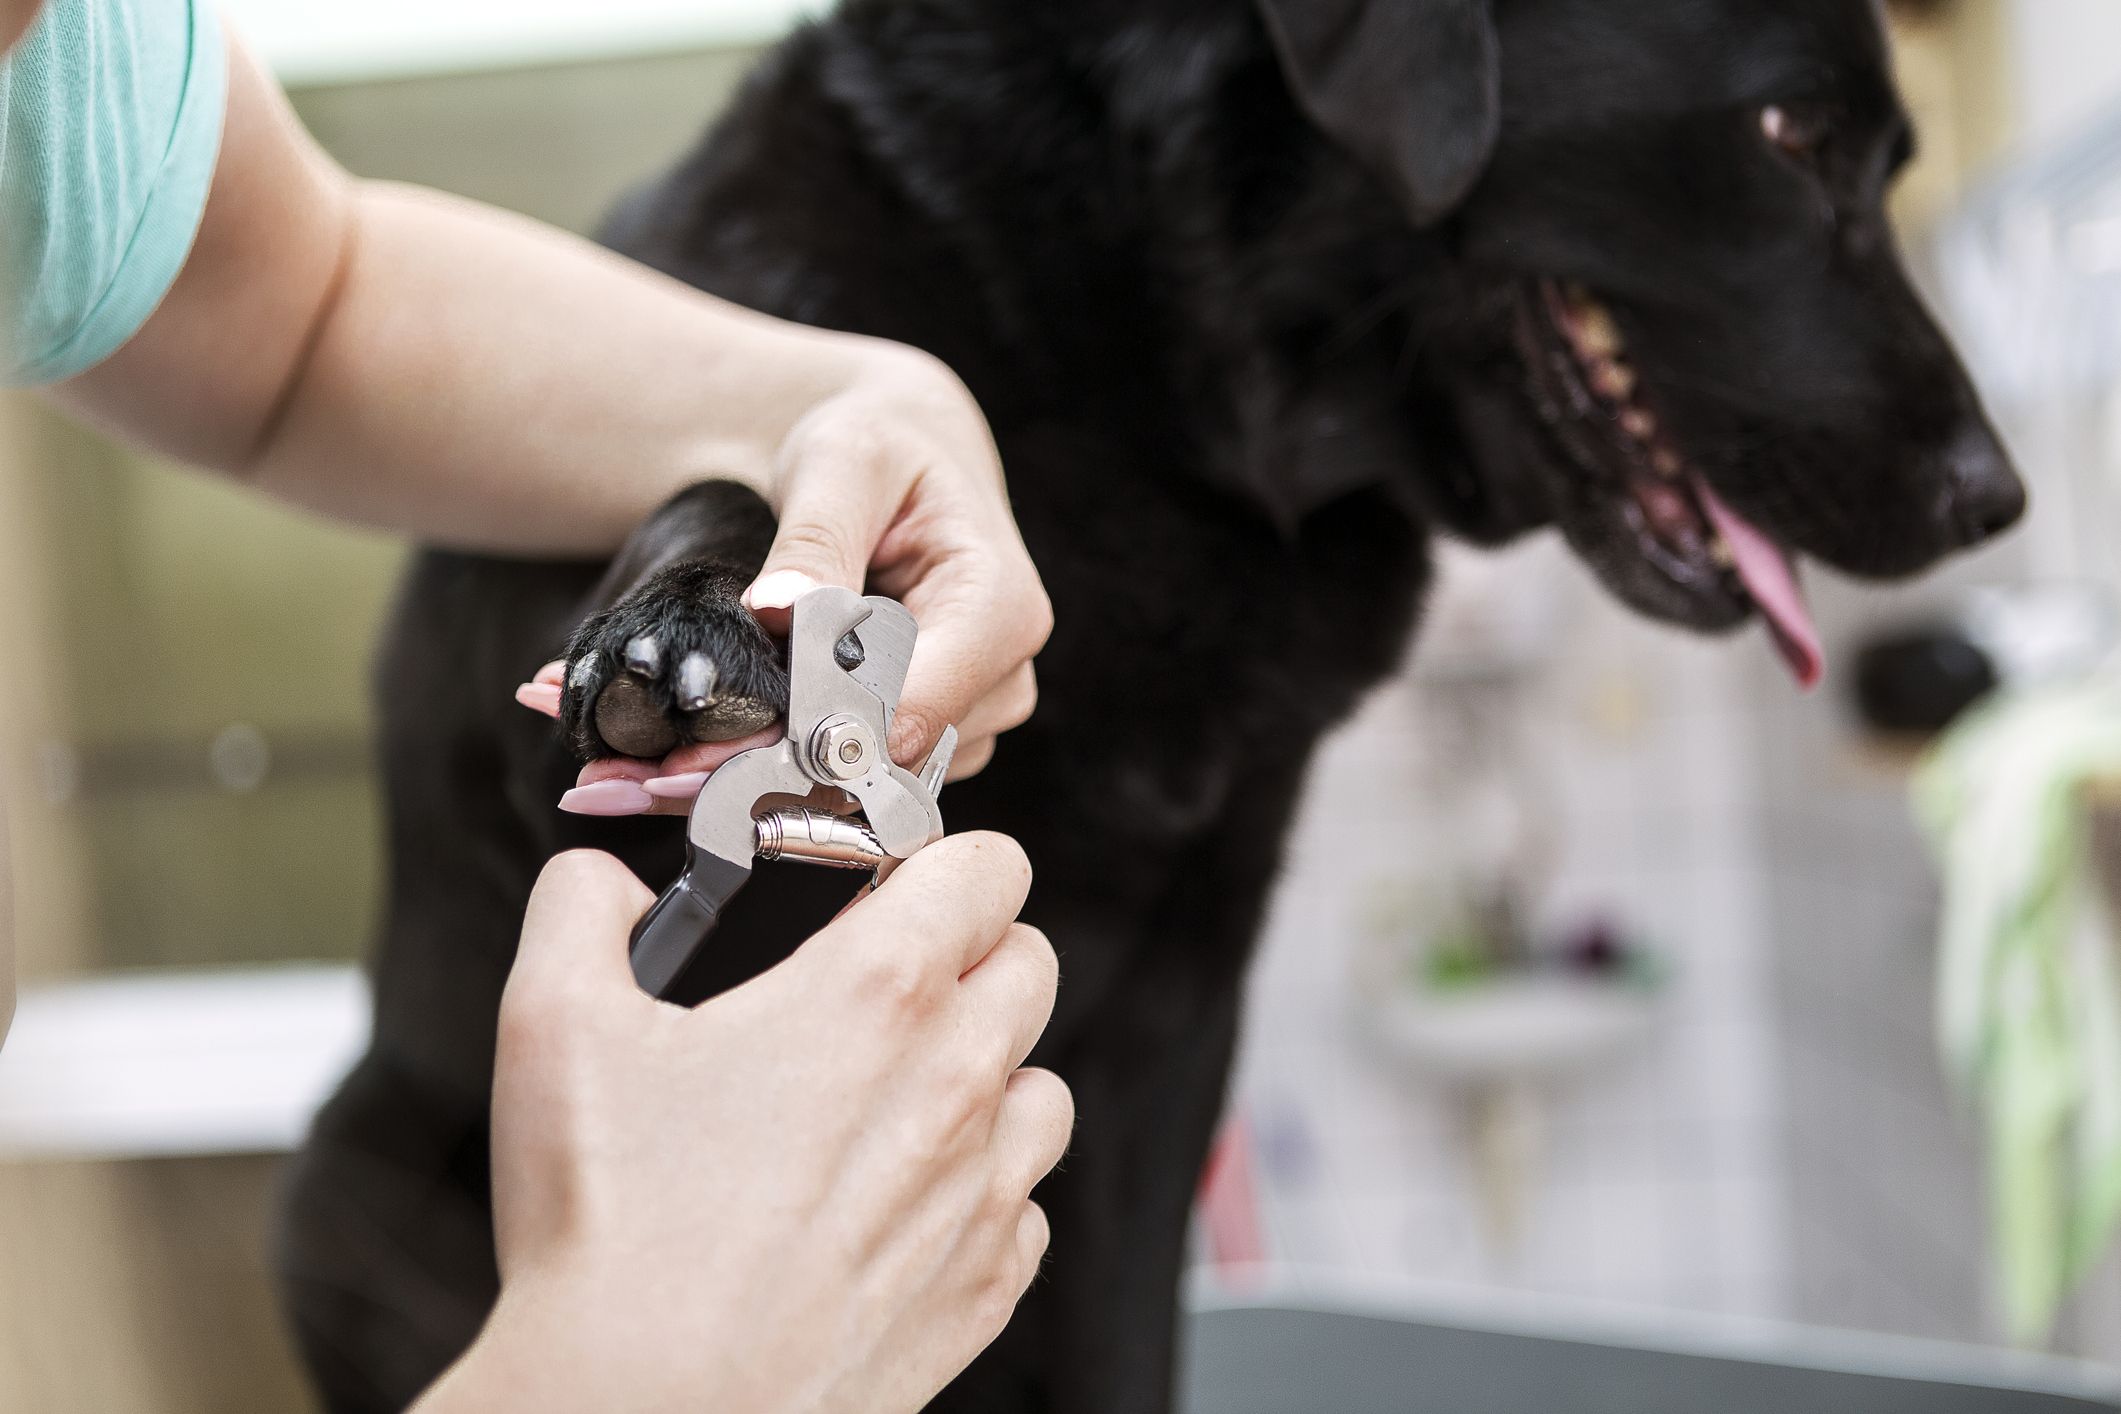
(840, 748)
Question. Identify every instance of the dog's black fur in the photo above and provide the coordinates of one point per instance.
(1249, 290)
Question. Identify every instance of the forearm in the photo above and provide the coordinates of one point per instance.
(414, 361)
(427, 365)
(484, 380)
(526, 1362)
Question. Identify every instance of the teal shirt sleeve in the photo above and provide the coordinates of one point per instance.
(110, 123)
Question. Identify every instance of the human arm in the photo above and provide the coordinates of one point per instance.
(400, 357)
(808, 1194)
(407, 359)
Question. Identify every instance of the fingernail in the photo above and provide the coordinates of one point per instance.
(682, 787)
(607, 798)
(779, 590)
(540, 697)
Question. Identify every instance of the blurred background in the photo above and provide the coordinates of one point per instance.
(1627, 1013)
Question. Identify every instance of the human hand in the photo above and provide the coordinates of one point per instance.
(807, 1194)
(892, 478)
(898, 476)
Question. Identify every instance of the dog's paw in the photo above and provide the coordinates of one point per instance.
(678, 660)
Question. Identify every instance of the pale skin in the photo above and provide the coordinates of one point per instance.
(812, 1193)
(850, 1263)
(401, 358)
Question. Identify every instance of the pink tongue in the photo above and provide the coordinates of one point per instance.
(1770, 579)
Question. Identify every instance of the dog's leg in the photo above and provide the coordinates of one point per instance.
(385, 1243)
(670, 655)
(1147, 1056)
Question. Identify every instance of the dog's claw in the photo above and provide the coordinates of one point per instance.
(678, 659)
(644, 657)
(697, 677)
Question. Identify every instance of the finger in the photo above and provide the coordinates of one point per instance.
(970, 642)
(953, 666)
(704, 756)
(939, 913)
(772, 596)
(623, 785)
(1034, 1234)
(542, 692)
(618, 768)
(832, 515)
(1032, 1131)
(1009, 994)
(1007, 705)
(575, 930)
(970, 758)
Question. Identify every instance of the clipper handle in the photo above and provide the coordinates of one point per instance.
(673, 931)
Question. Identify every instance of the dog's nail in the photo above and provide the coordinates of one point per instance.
(583, 672)
(779, 590)
(644, 656)
(683, 787)
(607, 798)
(697, 677)
(540, 697)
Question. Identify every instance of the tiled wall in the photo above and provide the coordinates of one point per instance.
(1888, 1216)
(1660, 1176)
(1886, 1211)
(1784, 1142)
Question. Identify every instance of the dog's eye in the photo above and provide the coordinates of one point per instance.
(1798, 131)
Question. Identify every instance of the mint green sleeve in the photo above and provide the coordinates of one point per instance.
(110, 123)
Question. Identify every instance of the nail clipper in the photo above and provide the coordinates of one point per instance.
(796, 799)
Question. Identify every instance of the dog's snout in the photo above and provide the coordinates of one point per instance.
(1983, 494)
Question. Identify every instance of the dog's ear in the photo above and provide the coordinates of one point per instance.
(1411, 88)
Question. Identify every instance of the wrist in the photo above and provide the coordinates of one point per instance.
(914, 378)
(567, 1347)
(497, 1371)
(790, 372)
(526, 1361)
(910, 393)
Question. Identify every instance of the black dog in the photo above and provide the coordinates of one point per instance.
(1258, 294)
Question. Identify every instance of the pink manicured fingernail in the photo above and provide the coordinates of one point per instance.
(683, 787)
(607, 798)
(540, 697)
(779, 590)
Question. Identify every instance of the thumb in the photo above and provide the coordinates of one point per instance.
(831, 521)
(575, 931)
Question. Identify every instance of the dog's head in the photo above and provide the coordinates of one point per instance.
(1683, 332)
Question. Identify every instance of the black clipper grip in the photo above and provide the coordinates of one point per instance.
(671, 932)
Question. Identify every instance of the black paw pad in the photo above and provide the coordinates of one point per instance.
(678, 660)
